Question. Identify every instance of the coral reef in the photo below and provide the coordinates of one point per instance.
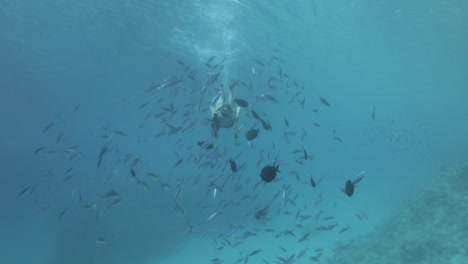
(430, 228)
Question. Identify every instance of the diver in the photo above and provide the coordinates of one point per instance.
(224, 112)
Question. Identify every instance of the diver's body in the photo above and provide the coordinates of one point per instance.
(224, 112)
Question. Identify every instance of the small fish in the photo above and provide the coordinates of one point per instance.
(38, 150)
(101, 241)
(189, 228)
(47, 127)
(241, 103)
(152, 174)
(178, 163)
(312, 182)
(344, 229)
(255, 252)
(212, 216)
(205, 144)
(43, 209)
(256, 115)
(115, 202)
(179, 210)
(269, 97)
(212, 79)
(359, 177)
(210, 59)
(24, 190)
(324, 101)
(120, 133)
(326, 228)
(178, 192)
(259, 62)
(143, 185)
(110, 194)
(266, 125)
(304, 238)
(286, 122)
(143, 105)
(62, 213)
(233, 165)
(305, 154)
(173, 130)
(373, 113)
(338, 139)
(232, 231)
(173, 81)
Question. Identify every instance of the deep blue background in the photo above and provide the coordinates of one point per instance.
(409, 60)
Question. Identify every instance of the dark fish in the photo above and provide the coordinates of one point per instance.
(373, 114)
(286, 122)
(241, 103)
(77, 107)
(132, 172)
(233, 165)
(312, 182)
(349, 188)
(251, 134)
(268, 173)
(324, 101)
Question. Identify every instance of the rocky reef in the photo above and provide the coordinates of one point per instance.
(431, 228)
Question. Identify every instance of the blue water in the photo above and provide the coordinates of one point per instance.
(83, 67)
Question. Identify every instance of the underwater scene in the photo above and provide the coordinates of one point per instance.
(234, 131)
